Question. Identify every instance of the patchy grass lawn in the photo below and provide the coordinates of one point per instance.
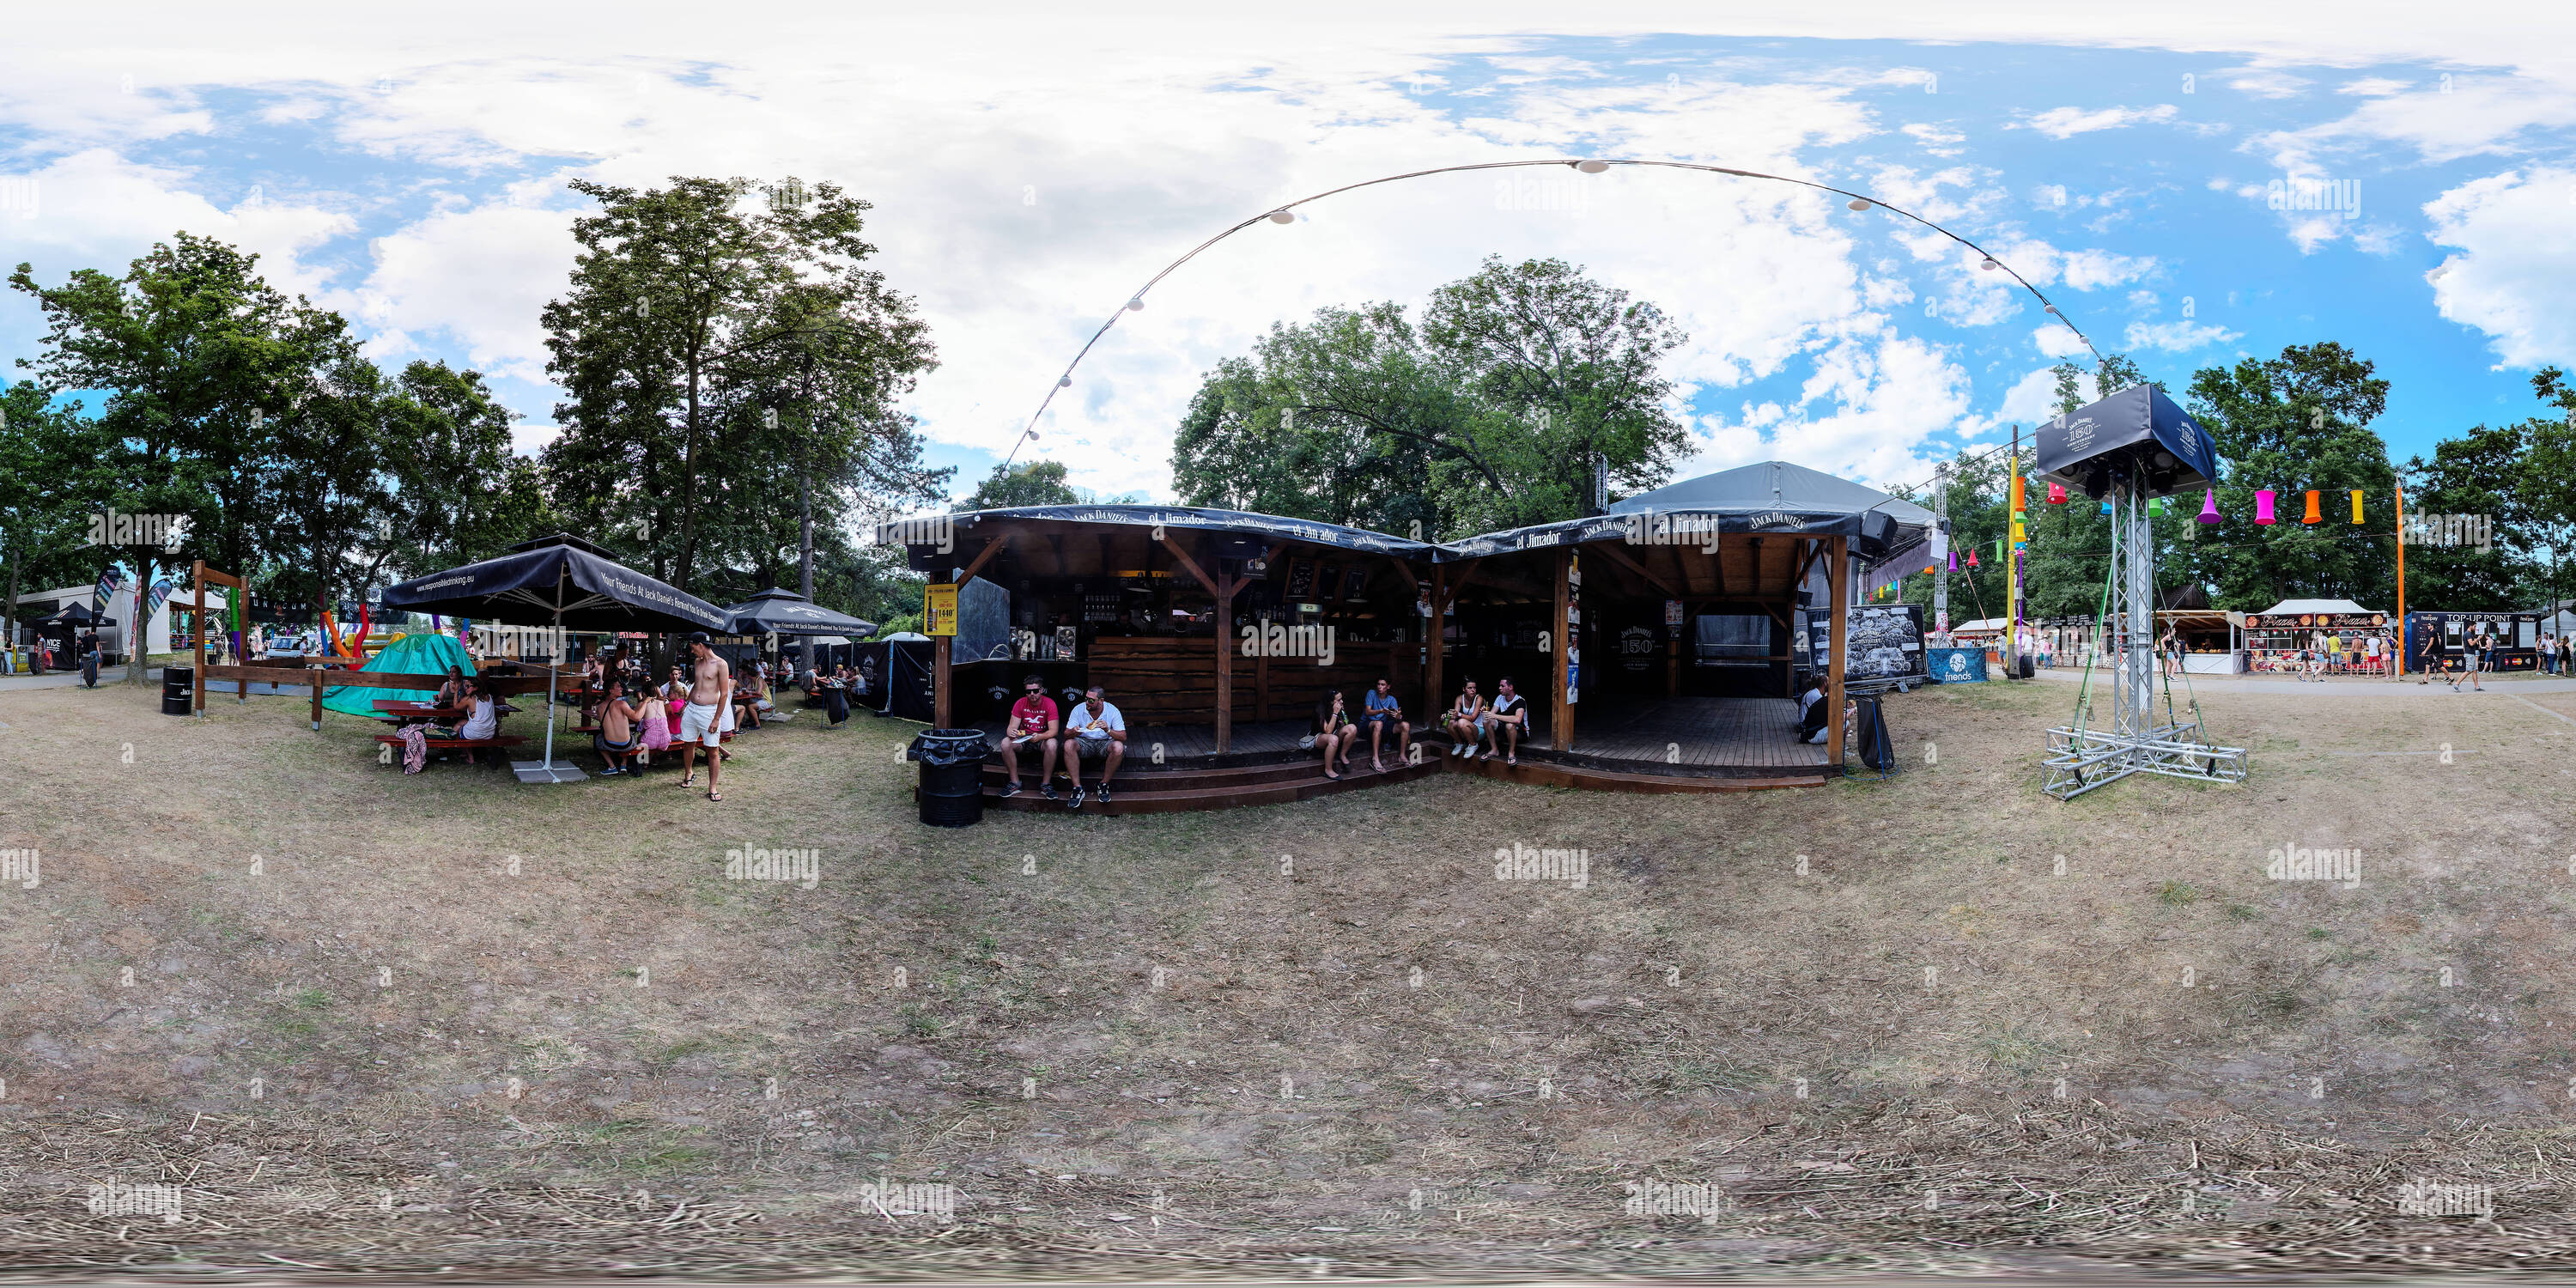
(378, 1022)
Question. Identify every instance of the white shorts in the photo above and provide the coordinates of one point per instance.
(705, 724)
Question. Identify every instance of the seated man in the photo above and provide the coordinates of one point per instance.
(616, 739)
(1465, 721)
(1508, 722)
(1811, 710)
(1034, 719)
(1095, 731)
(1384, 711)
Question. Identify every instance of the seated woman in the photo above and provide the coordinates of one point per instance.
(1465, 721)
(482, 715)
(657, 723)
(617, 737)
(452, 691)
(1334, 733)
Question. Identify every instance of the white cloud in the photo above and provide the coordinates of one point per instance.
(1940, 141)
(94, 209)
(520, 253)
(2374, 87)
(2177, 335)
(2032, 399)
(2508, 275)
(2266, 82)
(2067, 122)
(2055, 341)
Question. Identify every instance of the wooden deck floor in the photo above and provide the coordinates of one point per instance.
(1186, 741)
(1702, 733)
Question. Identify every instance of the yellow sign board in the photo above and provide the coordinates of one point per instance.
(939, 610)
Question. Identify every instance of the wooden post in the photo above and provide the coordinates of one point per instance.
(1225, 585)
(1261, 687)
(1834, 664)
(316, 673)
(939, 704)
(1434, 648)
(1673, 655)
(1560, 734)
(197, 699)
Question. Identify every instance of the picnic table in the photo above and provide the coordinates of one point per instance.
(399, 713)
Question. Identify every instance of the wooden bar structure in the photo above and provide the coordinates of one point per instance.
(1673, 640)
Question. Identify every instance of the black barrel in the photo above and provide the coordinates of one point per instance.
(952, 775)
(178, 690)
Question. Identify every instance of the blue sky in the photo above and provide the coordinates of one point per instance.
(1028, 175)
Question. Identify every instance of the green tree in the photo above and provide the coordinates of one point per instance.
(1022, 483)
(1488, 414)
(715, 346)
(2292, 423)
(201, 360)
(48, 455)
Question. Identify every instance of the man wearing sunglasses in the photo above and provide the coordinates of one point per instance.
(1034, 719)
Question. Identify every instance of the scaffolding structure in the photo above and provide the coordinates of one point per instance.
(2140, 739)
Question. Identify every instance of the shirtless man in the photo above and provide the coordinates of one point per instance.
(708, 716)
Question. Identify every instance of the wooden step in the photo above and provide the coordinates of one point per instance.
(1547, 774)
(1149, 794)
(1148, 778)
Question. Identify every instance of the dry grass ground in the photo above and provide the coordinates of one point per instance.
(386, 1023)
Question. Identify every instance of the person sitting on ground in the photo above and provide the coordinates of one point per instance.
(1334, 733)
(617, 737)
(1465, 721)
(1383, 711)
(1811, 710)
(1509, 722)
(1094, 731)
(1034, 719)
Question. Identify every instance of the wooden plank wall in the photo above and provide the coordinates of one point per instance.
(1173, 679)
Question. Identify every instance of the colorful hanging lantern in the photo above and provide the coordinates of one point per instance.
(2263, 505)
(1954, 559)
(2106, 507)
(2209, 506)
(2156, 507)
(2356, 505)
(2313, 516)
(1972, 558)
(2017, 494)
(2057, 494)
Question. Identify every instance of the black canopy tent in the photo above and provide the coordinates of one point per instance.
(784, 612)
(567, 583)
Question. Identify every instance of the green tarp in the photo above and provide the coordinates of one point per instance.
(422, 654)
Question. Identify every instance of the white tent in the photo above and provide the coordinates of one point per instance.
(2307, 607)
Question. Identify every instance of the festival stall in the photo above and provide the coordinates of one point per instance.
(2353, 640)
(2516, 636)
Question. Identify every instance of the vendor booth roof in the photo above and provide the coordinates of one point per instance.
(2303, 607)
(788, 613)
(1774, 497)
(558, 581)
(1193, 518)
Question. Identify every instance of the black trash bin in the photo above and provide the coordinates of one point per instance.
(178, 690)
(952, 775)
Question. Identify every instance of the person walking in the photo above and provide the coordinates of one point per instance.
(89, 659)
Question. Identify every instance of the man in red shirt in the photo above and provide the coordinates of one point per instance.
(1034, 718)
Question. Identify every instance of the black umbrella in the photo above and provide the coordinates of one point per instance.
(784, 612)
(565, 582)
